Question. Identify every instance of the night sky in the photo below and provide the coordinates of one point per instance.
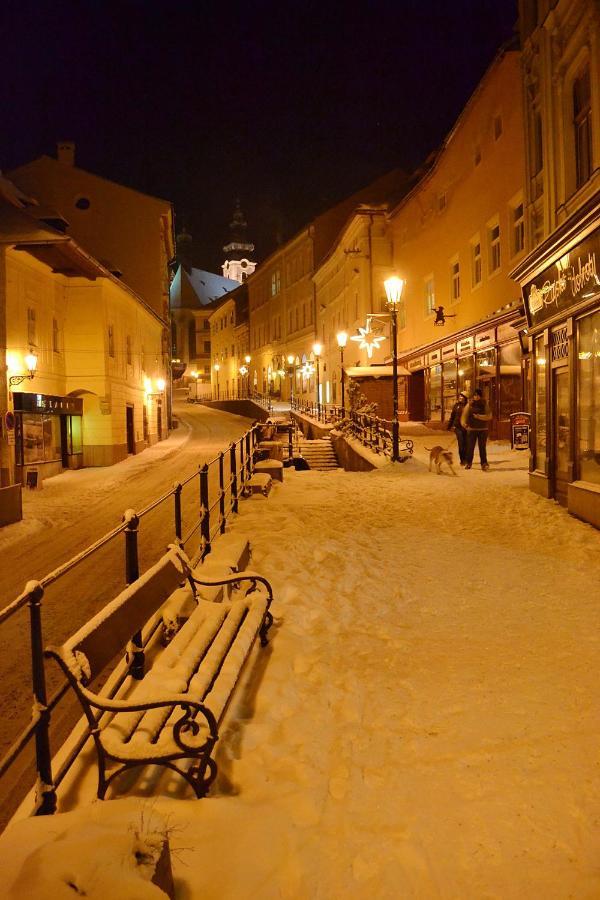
(290, 105)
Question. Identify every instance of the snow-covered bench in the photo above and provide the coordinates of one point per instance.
(173, 714)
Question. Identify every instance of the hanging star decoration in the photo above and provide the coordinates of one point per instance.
(307, 370)
(368, 339)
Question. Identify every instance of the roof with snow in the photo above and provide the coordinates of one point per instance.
(193, 288)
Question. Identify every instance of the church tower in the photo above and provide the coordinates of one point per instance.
(238, 251)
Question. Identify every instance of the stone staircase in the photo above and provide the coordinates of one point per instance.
(318, 454)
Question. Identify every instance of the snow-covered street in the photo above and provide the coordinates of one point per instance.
(426, 721)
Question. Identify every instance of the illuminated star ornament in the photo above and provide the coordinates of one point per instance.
(368, 340)
(307, 370)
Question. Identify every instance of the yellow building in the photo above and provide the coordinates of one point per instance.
(95, 348)
(560, 278)
(456, 236)
(230, 346)
(128, 232)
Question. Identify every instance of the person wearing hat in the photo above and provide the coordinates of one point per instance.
(476, 420)
(454, 424)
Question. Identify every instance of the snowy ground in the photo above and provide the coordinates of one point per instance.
(425, 722)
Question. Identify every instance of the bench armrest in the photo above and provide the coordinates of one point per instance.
(235, 578)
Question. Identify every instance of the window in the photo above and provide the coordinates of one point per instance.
(31, 325)
(55, 346)
(494, 246)
(206, 323)
(582, 120)
(497, 127)
(111, 342)
(540, 403)
(588, 383)
(518, 229)
(206, 346)
(537, 149)
(429, 296)
(476, 262)
(455, 280)
(128, 350)
(275, 283)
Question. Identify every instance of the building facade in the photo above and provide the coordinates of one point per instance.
(230, 346)
(560, 278)
(98, 389)
(455, 237)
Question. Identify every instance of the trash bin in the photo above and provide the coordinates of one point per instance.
(520, 427)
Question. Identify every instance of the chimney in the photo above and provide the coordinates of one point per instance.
(65, 152)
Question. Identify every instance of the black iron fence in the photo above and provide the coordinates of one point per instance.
(201, 506)
(371, 431)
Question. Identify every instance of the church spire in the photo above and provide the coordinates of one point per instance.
(238, 250)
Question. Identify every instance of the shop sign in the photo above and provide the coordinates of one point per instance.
(572, 278)
(435, 357)
(484, 338)
(520, 426)
(46, 403)
(465, 346)
(449, 352)
(417, 363)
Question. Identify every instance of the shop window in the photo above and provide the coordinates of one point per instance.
(465, 375)
(39, 438)
(450, 372)
(435, 393)
(429, 296)
(582, 123)
(486, 363)
(494, 247)
(31, 325)
(475, 262)
(588, 400)
(518, 228)
(540, 404)
(510, 379)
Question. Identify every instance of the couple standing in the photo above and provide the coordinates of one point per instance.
(470, 421)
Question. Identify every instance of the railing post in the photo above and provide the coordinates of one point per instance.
(177, 489)
(234, 482)
(249, 449)
(222, 492)
(132, 573)
(290, 442)
(204, 510)
(47, 800)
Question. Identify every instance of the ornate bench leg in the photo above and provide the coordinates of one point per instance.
(200, 779)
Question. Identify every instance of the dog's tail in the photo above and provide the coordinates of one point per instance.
(445, 449)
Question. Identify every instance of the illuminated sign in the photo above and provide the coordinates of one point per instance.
(571, 279)
(46, 403)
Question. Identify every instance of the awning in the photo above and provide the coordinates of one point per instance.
(374, 371)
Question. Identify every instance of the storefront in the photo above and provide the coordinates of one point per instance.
(48, 435)
(561, 289)
(489, 358)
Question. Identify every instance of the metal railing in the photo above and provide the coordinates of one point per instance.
(203, 516)
(327, 413)
(371, 431)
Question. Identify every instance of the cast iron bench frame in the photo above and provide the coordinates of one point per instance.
(86, 653)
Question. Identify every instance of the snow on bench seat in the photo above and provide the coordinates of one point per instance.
(259, 484)
(272, 467)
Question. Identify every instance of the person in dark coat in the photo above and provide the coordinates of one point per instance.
(475, 419)
(455, 425)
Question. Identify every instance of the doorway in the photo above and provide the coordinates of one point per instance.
(562, 434)
(130, 429)
(488, 388)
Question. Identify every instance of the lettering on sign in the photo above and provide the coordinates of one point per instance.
(570, 279)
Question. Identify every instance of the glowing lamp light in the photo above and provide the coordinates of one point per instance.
(195, 374)
(291, 359)
(247, 359)
(342, 339)
(31, 363)
(160, 384)
(317, 349)
(393, 289)
(368, 340)
(147, 385)
(217, 367)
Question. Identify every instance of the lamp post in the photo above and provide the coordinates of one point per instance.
(217, 367)
(248, 360)
(393, 289)
(317, 350)
(342, 340)
(31, 363)
(291, 360)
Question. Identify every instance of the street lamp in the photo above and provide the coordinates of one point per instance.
(31, 363)
(291, 360)
(217, 367)
(248, 360)
(342, 340)
(317, 350)
(393, 289)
